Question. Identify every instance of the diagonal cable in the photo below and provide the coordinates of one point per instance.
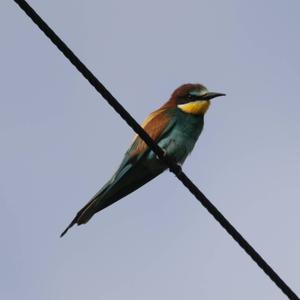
(173, 167)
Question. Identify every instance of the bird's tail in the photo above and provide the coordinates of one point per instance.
(79, 216)
(118, 187)
(84, 215)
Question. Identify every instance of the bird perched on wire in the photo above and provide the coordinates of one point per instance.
(175, 127)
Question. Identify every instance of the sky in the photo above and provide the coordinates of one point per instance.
(60, 142)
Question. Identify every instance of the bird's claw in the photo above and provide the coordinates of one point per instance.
(165, 153)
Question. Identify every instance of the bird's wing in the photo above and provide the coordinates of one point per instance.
(132, 172)
(157, 124)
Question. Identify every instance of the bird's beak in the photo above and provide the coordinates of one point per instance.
(211, 95)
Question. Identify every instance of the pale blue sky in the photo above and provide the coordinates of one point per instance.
(60, 142)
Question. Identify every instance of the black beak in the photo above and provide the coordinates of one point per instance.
(211, 95)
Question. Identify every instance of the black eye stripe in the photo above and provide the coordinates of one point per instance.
(187, 98)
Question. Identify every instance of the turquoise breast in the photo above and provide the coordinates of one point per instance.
(182, 138)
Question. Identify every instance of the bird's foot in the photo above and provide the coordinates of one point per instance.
(164, 151)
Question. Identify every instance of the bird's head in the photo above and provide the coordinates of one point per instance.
(192, 98)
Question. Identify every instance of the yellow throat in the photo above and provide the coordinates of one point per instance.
(195, 107)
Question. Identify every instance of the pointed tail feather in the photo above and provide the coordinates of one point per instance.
(117, 188)
(98, 202)
(78, 218)
(88, 210)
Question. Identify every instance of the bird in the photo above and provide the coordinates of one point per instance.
(175, 127)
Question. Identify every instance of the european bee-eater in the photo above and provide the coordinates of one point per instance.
(175, 126)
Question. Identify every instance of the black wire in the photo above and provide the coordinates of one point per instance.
(175, 168)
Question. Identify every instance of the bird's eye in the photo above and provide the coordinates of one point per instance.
(190, 96)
